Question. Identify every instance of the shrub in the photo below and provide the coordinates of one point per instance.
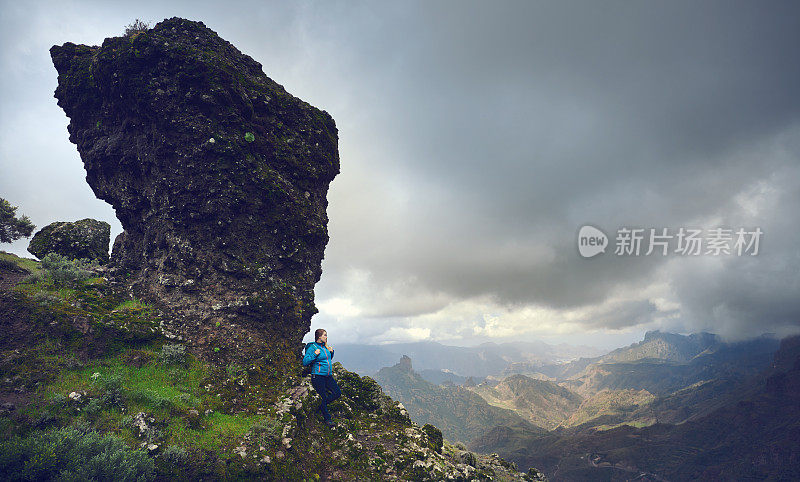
(45, 298)
(172, 354)
(58, 400)
(152, 399)
(9, 265)
(188, 399)
(64, 271)
(271, 428)
(50, 414)
(111, 391)
(175, 455)
(391, 410)
(468, 458)
(534, 474)
(435, 439)
(363, 391)
(72, 454)
(93, 407)
(34, 278)
(132, 29)
(127, 421)
(72, 362)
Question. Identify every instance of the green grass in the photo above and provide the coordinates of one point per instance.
(164, 392)
(222, 431)
(167, 390)
(131, 305)
(25, 263)
(91, 299)
(152, 381)
(43, 282)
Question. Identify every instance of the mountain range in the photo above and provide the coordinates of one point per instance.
(541, 402)
(460, 414)
(750, 435)
(458, 362)
(659, 409)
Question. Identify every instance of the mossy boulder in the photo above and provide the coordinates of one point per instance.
(87, 238)
(434, 435)
(364, 392)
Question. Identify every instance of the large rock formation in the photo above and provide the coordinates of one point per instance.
(87, 238)
(218, 176)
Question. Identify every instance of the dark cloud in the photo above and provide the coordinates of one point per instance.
(534, 121)
(476, 138)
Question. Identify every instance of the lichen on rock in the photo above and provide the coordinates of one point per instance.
(218, 176)
(87, 238)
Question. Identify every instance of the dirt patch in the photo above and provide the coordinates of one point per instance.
(10, 279)
(137, 358)
(17, 322)
(11, 401)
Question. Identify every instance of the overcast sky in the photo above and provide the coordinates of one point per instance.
(476, 138)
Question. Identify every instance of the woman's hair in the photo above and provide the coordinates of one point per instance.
(318, 333)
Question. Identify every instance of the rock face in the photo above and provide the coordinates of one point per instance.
(218, 176)
(87, 238)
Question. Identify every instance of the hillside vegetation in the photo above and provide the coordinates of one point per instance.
(461, 414)
(540, 402)
(93, 389)
(610, 407)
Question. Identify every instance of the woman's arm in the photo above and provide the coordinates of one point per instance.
(310, 356)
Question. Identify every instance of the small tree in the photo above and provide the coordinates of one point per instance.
(11, 227)
(136, 27)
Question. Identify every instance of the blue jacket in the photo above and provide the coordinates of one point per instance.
(322, 363)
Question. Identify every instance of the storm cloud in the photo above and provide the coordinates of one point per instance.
(476, 138)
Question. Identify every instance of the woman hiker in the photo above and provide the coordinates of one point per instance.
(319, 355)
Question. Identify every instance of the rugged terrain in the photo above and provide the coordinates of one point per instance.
(541, 402)
(92, 388)
(461, 414)
(180, 359)
(218, 176)
(671, 407)
(750, 435)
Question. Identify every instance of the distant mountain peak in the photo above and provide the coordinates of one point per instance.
(652, 334)
(405, 364)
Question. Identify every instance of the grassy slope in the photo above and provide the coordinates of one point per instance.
(541, 402)
(214, 422)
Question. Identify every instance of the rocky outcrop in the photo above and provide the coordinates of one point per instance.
(405, 363)
(372, 432)
(87, 238)
(218, 176)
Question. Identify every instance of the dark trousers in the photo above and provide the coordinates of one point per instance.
(328, 390)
